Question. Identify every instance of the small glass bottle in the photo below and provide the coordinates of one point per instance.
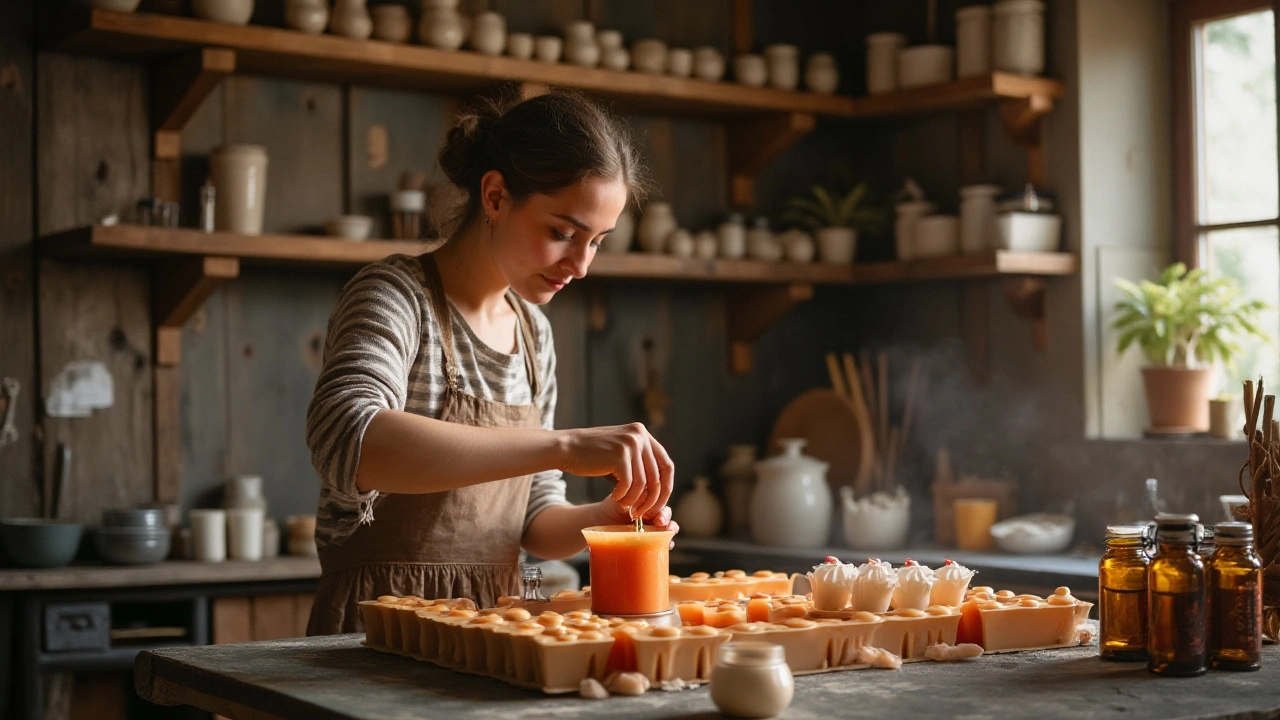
(1234, 577)
(208, 201)
(1122, 594)
(1176, 611)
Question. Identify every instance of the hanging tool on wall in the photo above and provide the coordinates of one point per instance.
(9, 406)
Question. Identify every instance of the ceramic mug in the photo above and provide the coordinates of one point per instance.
(520, 45)
(209, 535)
(240, 175)
(547, 48)
(244, 533)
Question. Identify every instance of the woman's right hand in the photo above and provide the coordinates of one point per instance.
(640, 465)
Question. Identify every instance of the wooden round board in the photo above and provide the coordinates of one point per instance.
(830, 425)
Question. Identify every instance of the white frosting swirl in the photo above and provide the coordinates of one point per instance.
(952, 582)
(915, 582)
(832, 584)
(873, 587)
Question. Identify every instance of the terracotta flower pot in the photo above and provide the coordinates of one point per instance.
(1178, 397)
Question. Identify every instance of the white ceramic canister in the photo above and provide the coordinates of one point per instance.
(240, 174)
(579, 31)
(520, 45)
(649, 56)
(350, 18)
(882, 61)
(761, 244)
(751, 70)
(706, 245)
(488, 33)
(607, 39)
(583, 53)
(908, 213)
(738, 476)
(655, 225)
(308, 16)
(732, 235)
(935, 236)
(751, 679)
(441, 27)
(680, 243)
(783, 66)
(624, 231)
(391, 23)
(208, 535)
(699, 511)
(680, 62)
(791, 503)
(1017, 36)
(797, 246)
(547, 48)
(244, 491)
(618, 59)
(821, 74)
(978, 227)
(231, 12)
(244, 533)
(925, 65)
(708, 63)
(973, 41)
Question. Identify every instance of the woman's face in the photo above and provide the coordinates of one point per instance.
(546, 241)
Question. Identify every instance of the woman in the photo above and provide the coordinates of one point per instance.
(431, 422)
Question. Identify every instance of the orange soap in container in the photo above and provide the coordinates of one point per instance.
(629, 572)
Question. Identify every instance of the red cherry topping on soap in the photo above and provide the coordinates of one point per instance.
(832, 560)
(949, 562)
(910, 563)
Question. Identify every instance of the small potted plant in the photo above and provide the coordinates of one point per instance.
(834, 219)
(1183, 322)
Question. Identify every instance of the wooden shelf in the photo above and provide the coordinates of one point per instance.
(279, 52)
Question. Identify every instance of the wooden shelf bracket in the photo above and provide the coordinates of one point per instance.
(752, 311)
(179, 289)
(753, 143)
(1021, 118)
(1026, 296)
(179, 87)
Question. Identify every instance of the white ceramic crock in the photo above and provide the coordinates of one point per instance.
(791, 503)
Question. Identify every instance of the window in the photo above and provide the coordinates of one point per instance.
(1228, 186)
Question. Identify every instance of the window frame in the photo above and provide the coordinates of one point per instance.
(1187, 168)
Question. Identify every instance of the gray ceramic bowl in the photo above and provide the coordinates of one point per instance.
(133, 517)
(36, 543)
(131, 546)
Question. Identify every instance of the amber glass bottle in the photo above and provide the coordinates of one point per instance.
(1176, 610)
(1122, 594)
(1234, 577)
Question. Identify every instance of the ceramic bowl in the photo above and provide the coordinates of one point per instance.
(935, 236)
(134, 517)
(350, 227)
(131, 545)
(1034, 534)
(37, 543)
(925, 65)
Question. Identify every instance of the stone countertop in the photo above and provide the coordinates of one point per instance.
(337, 679)
(176, 572)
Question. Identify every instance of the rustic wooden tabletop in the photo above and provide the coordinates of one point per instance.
(335, 678)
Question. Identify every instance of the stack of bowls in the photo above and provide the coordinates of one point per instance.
(134, 536)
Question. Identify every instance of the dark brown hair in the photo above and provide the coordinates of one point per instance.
(541, 145)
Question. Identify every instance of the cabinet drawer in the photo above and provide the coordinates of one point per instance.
(77, 626)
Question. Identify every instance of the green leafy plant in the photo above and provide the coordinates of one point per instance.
(1186, 318)
(824, 207)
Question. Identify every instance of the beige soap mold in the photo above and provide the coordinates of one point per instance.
(1014, 623)
(729, 585)
(816, 645)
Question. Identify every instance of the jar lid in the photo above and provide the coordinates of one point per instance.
(1233, 533)
(751, 653)
(1175, 519)
(791, 457)
(1126, 531)
(1178, 528)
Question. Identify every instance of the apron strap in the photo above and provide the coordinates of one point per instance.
(440, 306)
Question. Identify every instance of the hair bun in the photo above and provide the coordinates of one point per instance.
(462, 155)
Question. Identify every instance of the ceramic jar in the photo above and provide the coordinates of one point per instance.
(649, 56)
(708, 63)
(784, 66)
(1017, 36)
(882, 61)
(699, 512)
(612, 53)
(738, 477)
(488, 33)
(797, 246)
(520, 45)
(935, 236)
(791, 503)
(750, 70)
(907, 213)
(547, 48)
(609, 39)
(680, 243)
(925, 65)
(244, 533)
(308, 16)
(208, 535)
(680, 62)
(441, 26)
(977, 218)
(270, 538)
(244, 491)
(973, 41)
(655, 225)
(837, 245)
(761, 244)
(239, 173)
(624, 230)
(391, 23)
(706, 245)
(751, 679)
(584, 53)
(732, 235)
(821, 74)
(350, 18)
(579, 31)
(231, 12)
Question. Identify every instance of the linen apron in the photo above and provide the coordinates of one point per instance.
(456, 543)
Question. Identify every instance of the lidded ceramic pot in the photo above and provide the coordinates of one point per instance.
(520, 45)
(489, 33)
(308, 16)
(784, 66)
(978, 226)
(882, 61)
(973, 41)
(350, 18)
(391, 23)
(699, 512)
(655, 225)
(751, 70)
(751, 679)
(791, 503)
(821, 74)
(239, 173)
(761, 244)
(231, 12)
(680, 243)
(1017, 36)
(649, 56)
(706, 245)
(732, 234)
(680, 62)
(441, 26)
(708, 63)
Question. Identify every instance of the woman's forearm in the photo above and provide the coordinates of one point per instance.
(556, 533)
(406, 453)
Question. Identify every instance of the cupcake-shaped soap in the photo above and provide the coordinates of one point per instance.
(915, 583)
(952, 580)
(832, 583)
(873, 586)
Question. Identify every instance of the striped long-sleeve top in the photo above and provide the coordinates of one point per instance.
(383, 351)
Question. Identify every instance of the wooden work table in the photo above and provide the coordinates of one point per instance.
(334, 678)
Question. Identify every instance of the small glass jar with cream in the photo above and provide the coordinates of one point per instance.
(751, 680)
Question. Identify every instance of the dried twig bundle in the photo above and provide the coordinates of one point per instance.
(1263, 466)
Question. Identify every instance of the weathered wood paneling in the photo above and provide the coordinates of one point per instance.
(19, 487)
